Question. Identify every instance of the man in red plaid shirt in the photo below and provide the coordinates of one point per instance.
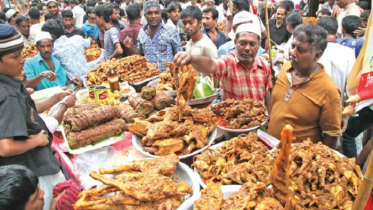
(242, 73)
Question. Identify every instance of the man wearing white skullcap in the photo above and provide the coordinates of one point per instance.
(44, 70)
(241, 18)
(242, 73)
(11, 15)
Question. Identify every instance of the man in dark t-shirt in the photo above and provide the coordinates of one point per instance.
(277, 26)
(24, 137)
(132, 31)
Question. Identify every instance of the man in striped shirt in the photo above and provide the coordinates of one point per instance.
(113, 49)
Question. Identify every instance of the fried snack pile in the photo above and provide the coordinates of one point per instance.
(309, 20)
(132, 69)
(167, 80)
(89, 123)
(251, 196)
(165, 133)
(222, 26)
(93, 53)
(29, 52)
(142, 184)
(241, 114)
(239, 160)
(321, 179)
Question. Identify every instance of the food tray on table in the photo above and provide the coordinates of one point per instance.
(96, 145)
(240, 130)
(204, 100)
(136, 142)
(145, 80)
(227, 190)
(168, 92)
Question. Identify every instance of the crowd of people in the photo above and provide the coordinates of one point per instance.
(308, 92)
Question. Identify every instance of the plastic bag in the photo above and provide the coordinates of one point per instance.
(91, 161)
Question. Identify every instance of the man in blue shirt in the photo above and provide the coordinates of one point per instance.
(90, 28)
(45, 71)
(210, 21)
(350, 24)
(158, 42)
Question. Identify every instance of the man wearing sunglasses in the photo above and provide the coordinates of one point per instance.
(53, 9)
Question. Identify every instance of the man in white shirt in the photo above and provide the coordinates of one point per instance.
(78, 13)
(348, 8)
(34, 14)
(337, 59)
(199, 44)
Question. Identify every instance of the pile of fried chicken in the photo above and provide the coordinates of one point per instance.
(141, 185)
(321, 179)
(29, 52)
(131, 68)
(241, 114)
(178, 129)
(92, 53)
(304, 176)
(255, 195)
(168, 80)
(239, 160)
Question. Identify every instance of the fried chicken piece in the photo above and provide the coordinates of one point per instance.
(162, 165)
(165, 146)
(211, 198)
(280, 171)
(146, 187)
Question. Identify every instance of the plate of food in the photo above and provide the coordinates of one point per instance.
(146, 183)
(245, 154)
(185, 132)
(207, 99)
(91, 126)
(240, 116)
(154, 83)
(133, 69)
(136, 142)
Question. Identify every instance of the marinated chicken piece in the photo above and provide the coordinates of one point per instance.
(146, 187)
(162, 165)
(211, 198)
